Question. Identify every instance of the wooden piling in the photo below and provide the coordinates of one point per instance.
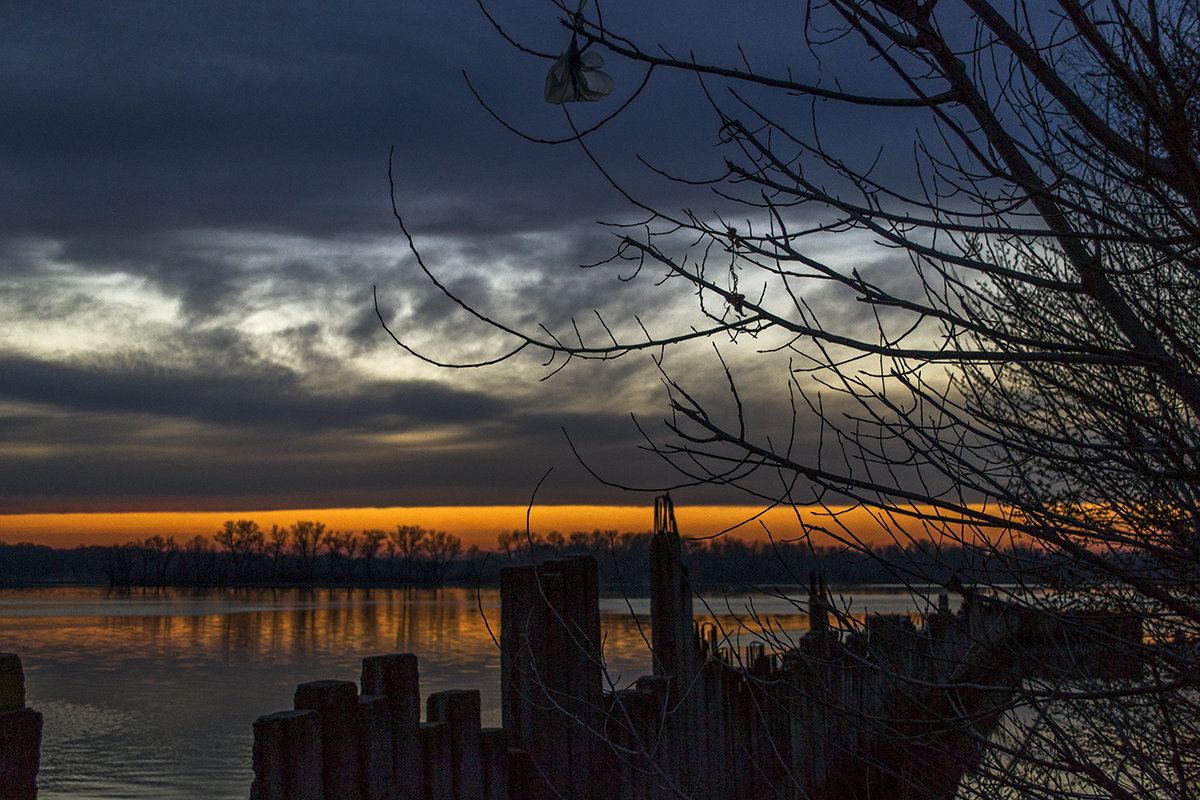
(461, 712)
(375, 767)
(516, 626)
(641, 710)
(12, 682)
(337, 703)
(583, 698)
(20, 733)
(396, 677)
(674, 644)
(287, 757)
(618, 735)
(438, 761)
(493, 753)
(549, 745)
(524, 783)
(551, 679)
(670, 599)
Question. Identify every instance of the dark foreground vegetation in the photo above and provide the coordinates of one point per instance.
(241, 554)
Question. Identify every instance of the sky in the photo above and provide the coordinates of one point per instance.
(195, 213)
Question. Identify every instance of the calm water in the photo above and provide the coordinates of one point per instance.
(152, 694)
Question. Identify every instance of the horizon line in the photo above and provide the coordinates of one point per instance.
(475, 524)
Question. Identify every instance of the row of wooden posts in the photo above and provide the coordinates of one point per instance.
(893, 710)
(368, 741)
(340, 743)
(711, 722)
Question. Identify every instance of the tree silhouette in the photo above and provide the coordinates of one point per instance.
(443, 550)
(372, 540)
(409, 542)
(1019, 363)
(277, 544)
(244, 541)
(306, 538)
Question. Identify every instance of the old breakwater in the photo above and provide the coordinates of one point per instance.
(891, 710)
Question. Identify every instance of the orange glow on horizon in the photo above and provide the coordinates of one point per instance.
(475, 525)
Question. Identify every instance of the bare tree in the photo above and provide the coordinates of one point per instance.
(244, 541)
(162, 554)
(119, 564)
(409, 542)
(443, 550)
(199, 558)
(277, 545)
(1022, 365)
(306, 537)
(372, 540)
(342, 547)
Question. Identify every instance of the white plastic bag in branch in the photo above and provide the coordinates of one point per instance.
(576, 77)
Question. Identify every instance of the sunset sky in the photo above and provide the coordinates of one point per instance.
(195, 210)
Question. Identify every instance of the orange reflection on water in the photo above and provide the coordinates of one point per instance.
(342, 625)
(245, 625)
(157, 689)
(327, 631)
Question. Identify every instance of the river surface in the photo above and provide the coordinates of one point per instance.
(152, 694)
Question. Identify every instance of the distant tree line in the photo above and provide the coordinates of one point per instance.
(25, 563)
(307, 552)
(242, 553)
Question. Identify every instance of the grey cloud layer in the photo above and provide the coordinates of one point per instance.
(274, 398)
(195, 208)
(134, 115)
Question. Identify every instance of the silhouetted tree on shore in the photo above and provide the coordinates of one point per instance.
(408, 541)
(304, 553)
(372, 540)
(306, 537)
(244, 541)
(443, 550)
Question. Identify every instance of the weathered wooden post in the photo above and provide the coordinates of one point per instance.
(12, 682)
(524, 781)
(632, 721)
(20, 733)
(493, 752)
(673, 640)
(460, 710)
(523, 703)
(287, 757)
(893, 643)
(815, 681)
(670, 599)
(438, 760)
(374, 726)
(396, 677)
(584, 701)
(550, 674)
(337, 703)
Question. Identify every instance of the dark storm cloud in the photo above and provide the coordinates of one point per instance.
(139, 115)
(289, 474)
(203, 441)
(228, 161)
(276, 398)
